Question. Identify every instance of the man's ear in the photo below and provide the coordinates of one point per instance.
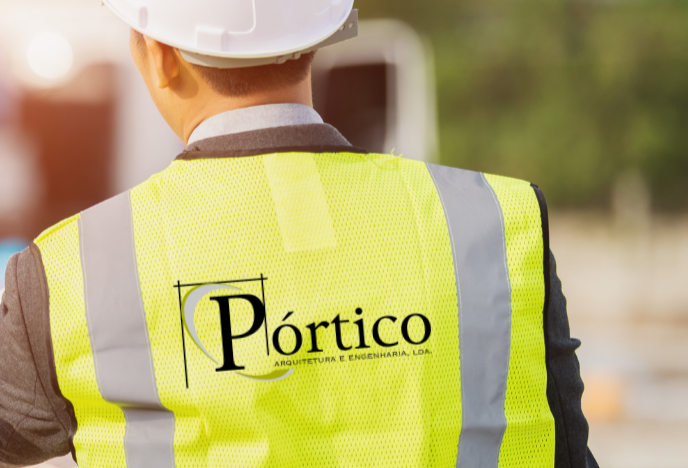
(164, 61)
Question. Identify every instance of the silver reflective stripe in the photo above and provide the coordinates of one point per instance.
(476, 226)
(119, 333)
(149, 439)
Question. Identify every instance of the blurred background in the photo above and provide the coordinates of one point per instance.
(586, 98)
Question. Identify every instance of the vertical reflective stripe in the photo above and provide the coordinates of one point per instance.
(475, 221)
(149, 438)
(119, 333)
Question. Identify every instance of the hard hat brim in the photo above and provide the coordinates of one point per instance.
(141, 19)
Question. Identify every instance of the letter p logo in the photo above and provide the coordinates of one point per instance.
(189, 307)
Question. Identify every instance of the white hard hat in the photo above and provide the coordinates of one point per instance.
(240, 33)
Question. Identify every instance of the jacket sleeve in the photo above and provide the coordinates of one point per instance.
(564, 383)
(35, 425)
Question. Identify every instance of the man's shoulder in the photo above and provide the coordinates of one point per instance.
(57, 229)
(69, 227)
(496, 181)
(26, 369)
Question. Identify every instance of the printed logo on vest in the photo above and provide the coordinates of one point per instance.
(288, 339)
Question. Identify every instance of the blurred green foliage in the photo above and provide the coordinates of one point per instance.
(565, 94)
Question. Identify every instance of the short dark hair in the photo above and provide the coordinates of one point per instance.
(245, 81)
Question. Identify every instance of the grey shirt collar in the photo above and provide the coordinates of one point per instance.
(254, 118)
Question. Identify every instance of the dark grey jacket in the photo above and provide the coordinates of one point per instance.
(37, 423)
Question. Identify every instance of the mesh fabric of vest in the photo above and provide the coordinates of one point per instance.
(527, 409)
(331, 233)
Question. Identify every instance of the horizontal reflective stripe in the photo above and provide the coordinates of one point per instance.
(475, 221)
(119, 333)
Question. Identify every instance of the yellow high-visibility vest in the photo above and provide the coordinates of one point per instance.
(305, 310)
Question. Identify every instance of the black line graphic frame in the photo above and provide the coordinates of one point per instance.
(179, 286)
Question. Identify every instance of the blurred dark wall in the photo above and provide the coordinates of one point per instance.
(569, 94)
(353, 99)
(72, 128)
